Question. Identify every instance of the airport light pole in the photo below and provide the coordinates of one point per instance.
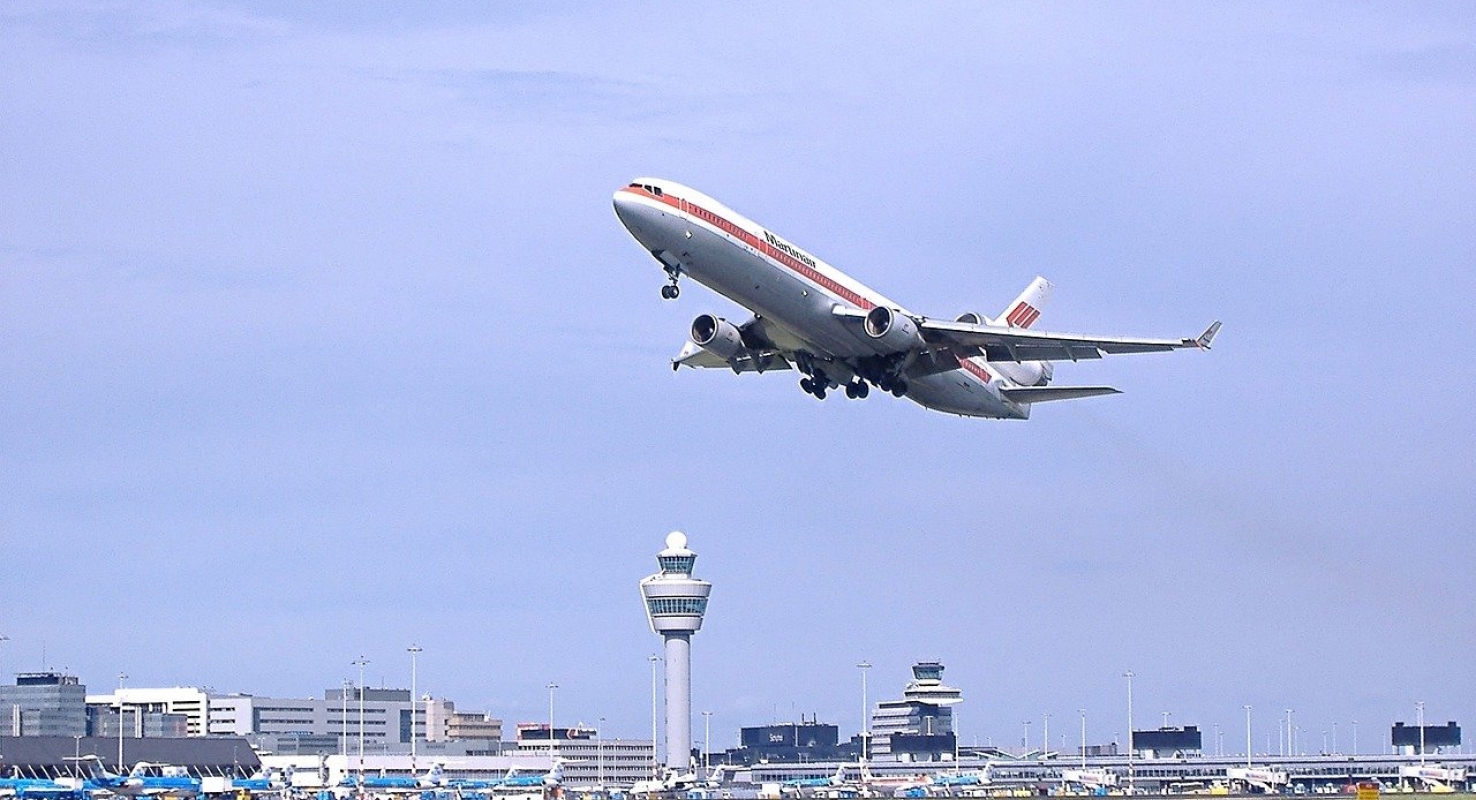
(1291, 749)
(655, 759)
(414, 650)
(361, 662)
(706, 740)
(343, 722)
(865, 710)
(1132, 770)
(1218, 750)
(1045, 736)
(121, 678)
(1247, 737)
(1420, 714)
(600, 749)
(1025, 742)
(1083, 714)
(551, 687)
(1355, 737)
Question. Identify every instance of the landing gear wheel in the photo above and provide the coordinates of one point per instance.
(670, 291)
(807, 386)
(819, 392)
(862, 390)
(899, 389)
(851, 391)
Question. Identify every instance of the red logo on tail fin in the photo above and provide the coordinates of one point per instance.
(1023, 316)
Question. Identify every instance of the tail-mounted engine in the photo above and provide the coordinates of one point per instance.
(717, 336)
(1028, 373)
(892, 332)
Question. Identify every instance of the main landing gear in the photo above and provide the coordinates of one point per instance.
(813, 387)
(819, 383)
(885, 373)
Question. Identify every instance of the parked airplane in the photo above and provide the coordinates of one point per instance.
(268, 780)
(553, 777)
(146, 779)
(432, 778)
(810, 316)
(838, 779)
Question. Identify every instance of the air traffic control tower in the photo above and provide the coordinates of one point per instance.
(675, 603)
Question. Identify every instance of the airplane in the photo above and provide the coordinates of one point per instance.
(271, 780)
(672, 782)
(432, 778)
(840, 334)
(511, 781)
(146, 779)
(838, 779)
(554, 777)
(891, 785)
(830, 785)
(979, 777)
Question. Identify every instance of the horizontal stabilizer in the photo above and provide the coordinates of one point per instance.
(1041, 394)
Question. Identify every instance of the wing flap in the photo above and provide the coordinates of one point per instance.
(1042, 394)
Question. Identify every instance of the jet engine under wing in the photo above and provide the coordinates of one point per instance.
(693, 355)
(1022, 344)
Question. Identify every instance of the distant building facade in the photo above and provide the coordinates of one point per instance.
(587, 758)
(918, 727)
(1167, 742)
(44, 704)
(188, 702)
(1414, 740)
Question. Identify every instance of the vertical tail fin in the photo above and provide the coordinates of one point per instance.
(1025, 310)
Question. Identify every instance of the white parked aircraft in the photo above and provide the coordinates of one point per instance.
(809, 316)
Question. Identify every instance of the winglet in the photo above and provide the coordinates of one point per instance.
(1204, 340)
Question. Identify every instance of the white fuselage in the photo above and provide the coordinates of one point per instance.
(790, 289)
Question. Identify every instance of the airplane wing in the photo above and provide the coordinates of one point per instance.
(1023, 344)
(759, 361)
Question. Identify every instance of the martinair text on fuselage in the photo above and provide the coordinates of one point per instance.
(839, 333)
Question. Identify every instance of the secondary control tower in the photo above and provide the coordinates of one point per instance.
(675, 603)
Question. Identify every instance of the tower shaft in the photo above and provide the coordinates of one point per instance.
(678, 700)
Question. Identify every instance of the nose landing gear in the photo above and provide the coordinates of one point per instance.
(670, 290)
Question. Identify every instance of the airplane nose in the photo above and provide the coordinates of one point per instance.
(632, 214)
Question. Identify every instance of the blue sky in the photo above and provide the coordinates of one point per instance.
(320, 338)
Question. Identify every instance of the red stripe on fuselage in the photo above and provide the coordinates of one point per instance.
(974, 369)
(793, 264)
